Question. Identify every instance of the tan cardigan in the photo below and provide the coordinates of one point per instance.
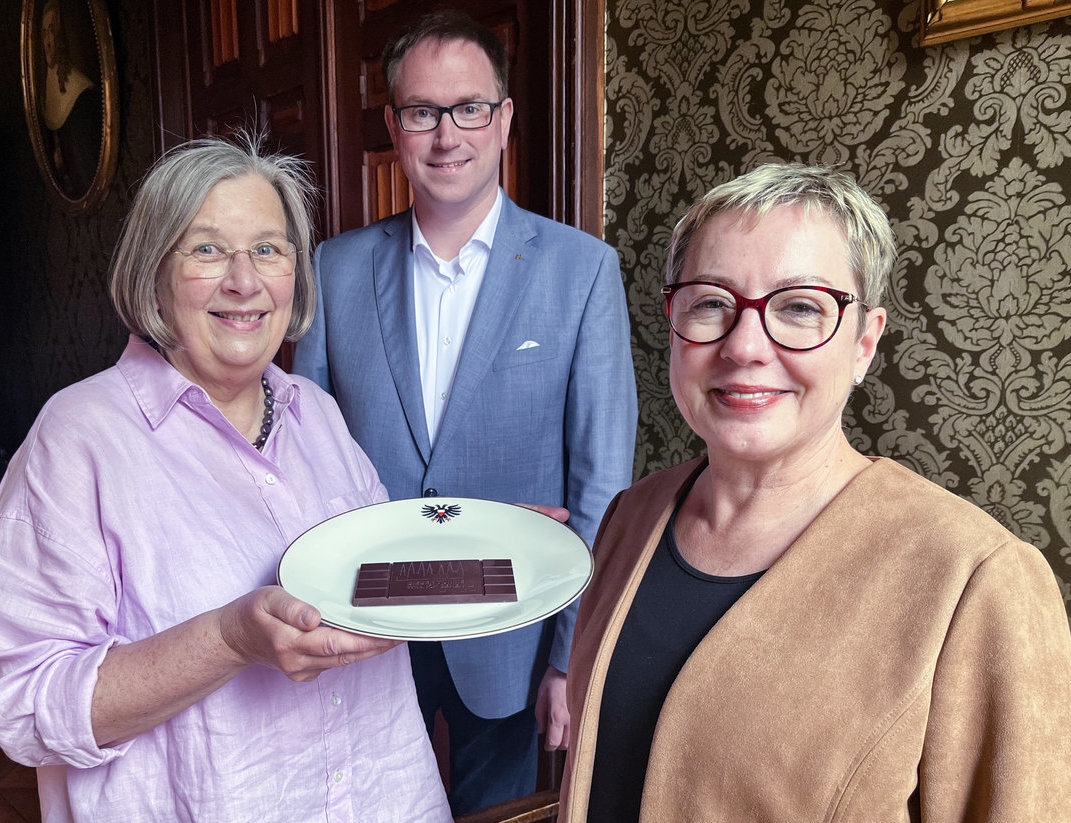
(906, 659)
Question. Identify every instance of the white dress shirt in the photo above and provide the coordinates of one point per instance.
(444, 294)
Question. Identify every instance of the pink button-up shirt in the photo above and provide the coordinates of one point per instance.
(134, 505)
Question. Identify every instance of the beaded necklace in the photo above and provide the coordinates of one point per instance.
(269, 415)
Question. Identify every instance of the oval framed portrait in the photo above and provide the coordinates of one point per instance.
(71, 98)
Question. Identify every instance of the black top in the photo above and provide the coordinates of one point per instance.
(674, 609)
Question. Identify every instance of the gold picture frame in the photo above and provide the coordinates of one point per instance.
(70, 94)
(944, 20)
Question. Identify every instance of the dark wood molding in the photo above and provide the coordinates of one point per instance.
(578, 83)
(342, 115)
(171, 98)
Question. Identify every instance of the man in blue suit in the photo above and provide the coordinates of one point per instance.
(477, 350)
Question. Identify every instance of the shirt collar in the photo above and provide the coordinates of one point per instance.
(158, 386)
(484, 234)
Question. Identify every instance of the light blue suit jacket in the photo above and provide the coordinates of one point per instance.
(553, 423)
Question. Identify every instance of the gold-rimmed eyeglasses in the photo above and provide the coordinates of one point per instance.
(269, 259)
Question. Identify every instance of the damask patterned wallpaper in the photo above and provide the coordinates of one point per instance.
(967, 147)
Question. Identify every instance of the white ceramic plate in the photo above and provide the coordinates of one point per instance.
(551, 565)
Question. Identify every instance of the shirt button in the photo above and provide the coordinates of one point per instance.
(447, 341)
(336, 700)
(270, 479)
(338, 777)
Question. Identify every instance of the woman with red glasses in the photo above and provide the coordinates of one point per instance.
(787, 629)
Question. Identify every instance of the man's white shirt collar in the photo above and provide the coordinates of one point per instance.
(444, 296)
(484, 234)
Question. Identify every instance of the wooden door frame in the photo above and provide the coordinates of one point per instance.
(173, 111)
(578, 88)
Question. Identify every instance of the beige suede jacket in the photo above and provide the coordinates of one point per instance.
(906, 659)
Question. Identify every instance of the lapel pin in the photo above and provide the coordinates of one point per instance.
(517, 257)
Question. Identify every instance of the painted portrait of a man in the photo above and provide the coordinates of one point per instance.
(68, 75)
(70, 106)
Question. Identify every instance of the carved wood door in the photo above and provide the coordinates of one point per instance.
(223, 64)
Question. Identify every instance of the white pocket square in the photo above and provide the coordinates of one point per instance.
(528, 344)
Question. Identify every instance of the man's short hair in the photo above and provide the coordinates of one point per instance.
(443, 27)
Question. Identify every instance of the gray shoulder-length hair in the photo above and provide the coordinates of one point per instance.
(868, 236)
(167, 202)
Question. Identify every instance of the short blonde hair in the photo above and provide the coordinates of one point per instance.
(167, 202)
(867, 234)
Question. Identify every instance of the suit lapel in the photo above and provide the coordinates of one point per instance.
(392, 270)
(508, 272)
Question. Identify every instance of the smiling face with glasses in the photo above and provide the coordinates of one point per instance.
(227, 288)
(474, 114)
(767, 376)
(211, 259)
(796, 318)
(448, 134)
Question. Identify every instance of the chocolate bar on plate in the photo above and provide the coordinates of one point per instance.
(410, 582)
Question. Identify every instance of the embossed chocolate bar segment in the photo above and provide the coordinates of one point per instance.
(411, 582)
(372, 582)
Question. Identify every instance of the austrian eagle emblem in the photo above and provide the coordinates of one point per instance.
(442, 513)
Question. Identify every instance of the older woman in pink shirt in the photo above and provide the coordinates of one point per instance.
(148, 666)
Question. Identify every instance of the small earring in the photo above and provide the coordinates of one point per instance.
(857, 379)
